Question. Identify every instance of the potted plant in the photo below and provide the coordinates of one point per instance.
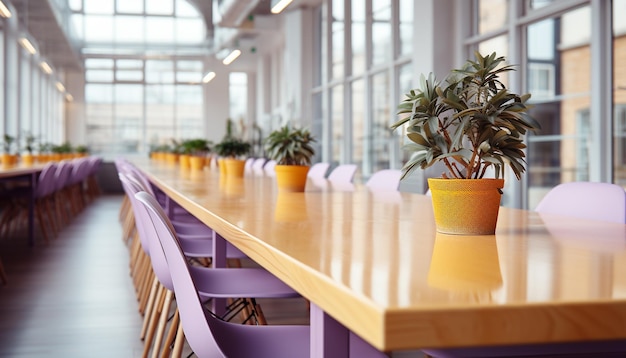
(29, 145)
(232, 150)
(8, 157)
(291, 149)
(197, 150)
(472, 124)
(81, 150)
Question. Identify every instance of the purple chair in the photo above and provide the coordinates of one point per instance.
(318, 171)
(257, 166)
(343, 173)
(384, 180)
(206, 334)
(243, 283)
(270, 168)
(586, 200)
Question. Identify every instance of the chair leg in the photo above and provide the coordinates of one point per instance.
(3, 275)
(149, 307)
(154, 317)
(171, 336)
(177, 351)
(42, 224)
(165, 311)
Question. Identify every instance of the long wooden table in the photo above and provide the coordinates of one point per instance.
(29, 174)
(375, 265)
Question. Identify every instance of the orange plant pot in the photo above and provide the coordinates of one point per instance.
(291, 178)
(196, 163)
(466, 206)
(234, 167)
(183, 159)
(171, 158)
(28, 159)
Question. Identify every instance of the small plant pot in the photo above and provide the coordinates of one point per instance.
(291, 178)
(28, 159)
(234, 167)
(9, 160)
(196, 162)
(171, 158)
(466, 206)
(183, 159)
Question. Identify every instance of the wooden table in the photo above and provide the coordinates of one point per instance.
(375, 265)
(28, 173)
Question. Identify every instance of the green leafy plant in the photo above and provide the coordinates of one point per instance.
(471, 124)
(29, 143)
(290, 146)
(232, 147)
(8, 143)
(81, 149)
(197, 146)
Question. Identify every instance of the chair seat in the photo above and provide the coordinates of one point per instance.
(239, 282)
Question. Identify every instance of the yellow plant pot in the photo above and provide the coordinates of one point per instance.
(9, 160)
(466, 206)
(28, 159)
(291, 178)
(171, 158)
(183, 159)
(465, 264)
(234, 167)
(196, 162)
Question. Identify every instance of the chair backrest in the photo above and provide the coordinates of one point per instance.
(270, 168)
(257, 166)
(248, 166)
(62, 176)
(384, 180)
(46, 182)
(80, 169)
(318, 170)
(343, 173)
(587, 200)
(193, 315)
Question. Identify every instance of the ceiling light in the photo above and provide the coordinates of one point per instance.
(231, 57)
(69, 97)
(45, 67)
(280, 6)
(26, 44)
(4, 10)
(60, 87)
(208, 77)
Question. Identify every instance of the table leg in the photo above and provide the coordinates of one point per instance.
(329, 338)
(31, 209)
(219, 261)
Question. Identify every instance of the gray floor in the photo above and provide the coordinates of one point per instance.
(74, 297)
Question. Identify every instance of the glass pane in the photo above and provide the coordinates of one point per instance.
(190, 31)
(75, 5)
(160, 111)
(129, 29)
(98, 28)
(129, 75)
(159, 29)
(381, 118)
(98, 63)
(500, 46)
(493, 15)
(406, 26)
(99, 75)
(159, 71)
(99, 7)
(559, 73)
(129, 6)
(358, 37)
(619, 95)
(238, 93)
(189, 77)
(321, 44)
(338, 43)
(405, 80)
(161, 7)
(129, 64)
(381, 31)
(359, 140)
(189, 111)
(337, 120)
(189, 65)
(185, 9)
(317, 127)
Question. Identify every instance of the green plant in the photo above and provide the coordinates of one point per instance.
(81, 149)
(232, 147)
(470, 125)
(197, 146)
(29, 140)
(8, 143)
(290, 146)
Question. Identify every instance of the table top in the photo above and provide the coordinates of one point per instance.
(375, 262)
(19, 169)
